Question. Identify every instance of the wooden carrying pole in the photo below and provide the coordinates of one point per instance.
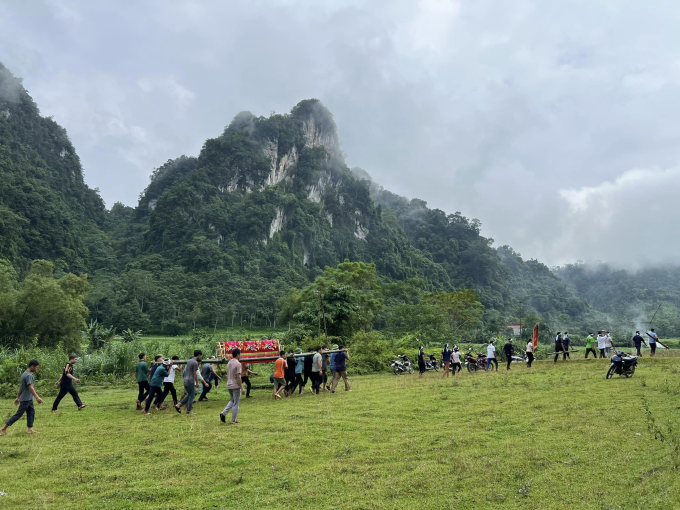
(245, 359)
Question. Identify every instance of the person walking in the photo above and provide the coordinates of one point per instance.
(65, 385)
(331, 364)
(190, 383)
(142, 371)
(280, 375)
(299, 369)
(653, 338)
(25, 399)
(559, 347)
(169, 384)
(245, 377)
(341, 369)
(324, 369)
(491, 356)
(208, 373)
(567, 346)
(289, 373)
(161, 372)
(530, 353)
(455, 360)
(308, 362)
(589, 345)
(601, 343)
(234, 386)
(446, 360)
(421, 361)
(317, 371)
(637, 342)
(509, 350)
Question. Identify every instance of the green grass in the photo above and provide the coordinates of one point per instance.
(550, 437)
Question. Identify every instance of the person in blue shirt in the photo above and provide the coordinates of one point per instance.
(341, 369)
(299, 369)
(446, 360)
(331, 365)
(652, 341)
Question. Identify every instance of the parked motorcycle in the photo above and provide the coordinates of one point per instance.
(473, 364)
(518, 359)
(401, 365)
(622, 364)
(432, 363)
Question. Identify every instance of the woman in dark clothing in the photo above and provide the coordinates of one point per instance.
(421, 360)
(65, 384)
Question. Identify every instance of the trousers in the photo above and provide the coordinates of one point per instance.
(62, 393)
(233, 404)
(25, 406)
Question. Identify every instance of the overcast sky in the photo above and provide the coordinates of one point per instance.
(555, 123)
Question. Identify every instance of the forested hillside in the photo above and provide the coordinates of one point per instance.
(244, 233)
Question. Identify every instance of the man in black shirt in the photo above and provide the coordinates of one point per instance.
(65, 385)
(638, 341)
(509, 350)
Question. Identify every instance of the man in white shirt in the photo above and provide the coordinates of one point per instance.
(491, 356)
(601, 343)
(455, 360)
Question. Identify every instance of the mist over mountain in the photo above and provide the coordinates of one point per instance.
(262, 209)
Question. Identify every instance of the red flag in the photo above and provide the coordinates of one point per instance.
(536, 336)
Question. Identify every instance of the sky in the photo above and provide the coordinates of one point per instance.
(554, 123)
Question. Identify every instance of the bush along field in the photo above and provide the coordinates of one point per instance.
(553, 436)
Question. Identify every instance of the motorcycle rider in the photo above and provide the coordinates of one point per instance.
(509, 352)
(638, 341)
(491, 356)
(446, 360)
(456, 359)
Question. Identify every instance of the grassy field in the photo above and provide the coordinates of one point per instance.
(550, 437)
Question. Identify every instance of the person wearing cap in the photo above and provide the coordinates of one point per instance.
(25, 399)
(638, 341)
(245, 377)
(299, 369)
(235, 387)
(65, 385)
(161, 372)
(331, 363)
(589, 345)
(491, 356)
(509, 351)
(341, 369)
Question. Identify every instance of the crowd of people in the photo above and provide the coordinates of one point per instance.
(293, 370)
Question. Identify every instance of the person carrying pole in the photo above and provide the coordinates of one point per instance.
(341, 369)
(235, 387)
(25, 399)
(65, 385)
(653, 338)
(559, 347)
(160, 373)
(190, 383)
(142, 371)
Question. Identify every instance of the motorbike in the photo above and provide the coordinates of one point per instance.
(473, 364)
(401, 365)
(432, 363)
(518, 359)
(622, 364)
